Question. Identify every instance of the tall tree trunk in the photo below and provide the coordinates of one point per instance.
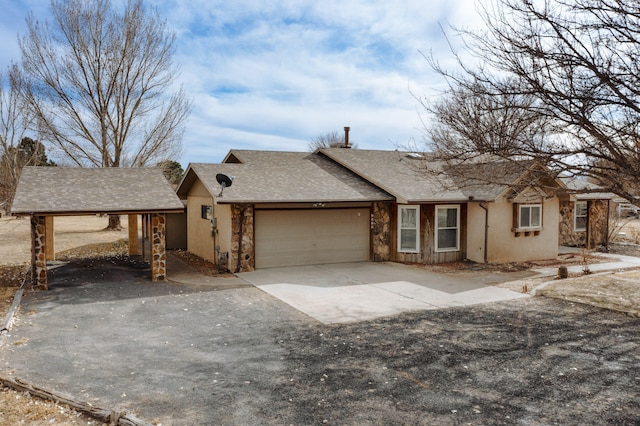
(114, 223)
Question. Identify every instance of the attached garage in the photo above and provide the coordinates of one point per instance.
(307, 237)
(283, 209)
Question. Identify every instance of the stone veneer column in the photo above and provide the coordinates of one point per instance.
(598, 223)
(380, 231)
(242, 239)
(38, 252)
(158, 250)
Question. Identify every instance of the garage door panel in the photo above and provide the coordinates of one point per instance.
(306, 237)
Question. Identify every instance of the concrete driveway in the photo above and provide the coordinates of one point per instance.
(349, 292)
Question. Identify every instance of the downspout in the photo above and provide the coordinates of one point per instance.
(606, 235)
(486, 229)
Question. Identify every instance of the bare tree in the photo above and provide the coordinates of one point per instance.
(467, 124)
(326, 140)
(568, 71)
(331, 140)
(101, 84)
(15, 121)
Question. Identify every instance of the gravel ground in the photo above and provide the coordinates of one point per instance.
(530, 362)
(182, 355)
(539, 361)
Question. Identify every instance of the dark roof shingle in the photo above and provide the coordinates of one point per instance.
(272, 176)
(68, 190)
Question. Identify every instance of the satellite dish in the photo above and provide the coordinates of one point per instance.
(224, 181)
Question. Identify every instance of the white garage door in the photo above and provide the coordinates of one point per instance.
(309, 237)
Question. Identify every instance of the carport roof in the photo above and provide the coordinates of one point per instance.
(68, 191)
(277, 177)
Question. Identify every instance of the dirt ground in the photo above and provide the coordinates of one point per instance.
(453, 343)
(189, 354)
(70, 232)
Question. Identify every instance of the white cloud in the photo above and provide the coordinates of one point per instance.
(273, 74)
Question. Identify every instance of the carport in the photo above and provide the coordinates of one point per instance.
(46, 192)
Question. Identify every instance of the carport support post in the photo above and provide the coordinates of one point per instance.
(39, 252)
(158, 250)
(133, 235)
(49, 243)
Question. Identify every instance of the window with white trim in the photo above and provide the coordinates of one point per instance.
(447, 228)
(409, 229)
(580, 216)
(530, 216)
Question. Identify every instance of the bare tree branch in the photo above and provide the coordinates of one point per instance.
(15, 121)
(100, 83)
(553, 81)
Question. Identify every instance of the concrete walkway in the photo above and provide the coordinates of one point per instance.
(350, 292)
(615, 262)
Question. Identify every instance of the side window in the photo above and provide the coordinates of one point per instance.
(530, 216)
(447, 228)
(206, 212)
(580, 216)
(409, 229)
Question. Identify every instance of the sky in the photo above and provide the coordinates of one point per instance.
(272, 75)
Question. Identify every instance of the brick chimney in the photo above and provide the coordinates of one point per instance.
(346, 137)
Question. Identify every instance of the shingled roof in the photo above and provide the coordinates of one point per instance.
(272, 176)
(417, 178)
(585, 190)
(399, 174)
(68, 191)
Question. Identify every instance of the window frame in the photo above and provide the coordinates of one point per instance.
(437, 229)
(529, 206)
(415, 207)
(576, 217)
(206, 212)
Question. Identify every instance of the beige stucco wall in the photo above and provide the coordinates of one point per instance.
(503, 244)
(199, 239)
(222, 213)
(475, 233)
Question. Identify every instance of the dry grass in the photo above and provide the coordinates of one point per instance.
(20, 408)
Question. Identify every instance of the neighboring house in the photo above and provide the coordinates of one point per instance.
(584, 215)
(341, 205)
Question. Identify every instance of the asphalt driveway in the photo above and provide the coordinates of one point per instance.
(218, 352)
(348, 292)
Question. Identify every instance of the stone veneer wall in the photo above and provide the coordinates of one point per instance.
(38, 252)
(567, 236)
(381, 231)
(158, 247)
(598, 223)
(597, 227)
(242, 218)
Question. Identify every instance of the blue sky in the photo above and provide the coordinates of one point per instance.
(274, 74)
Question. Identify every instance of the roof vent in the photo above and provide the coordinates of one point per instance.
(415, 156)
